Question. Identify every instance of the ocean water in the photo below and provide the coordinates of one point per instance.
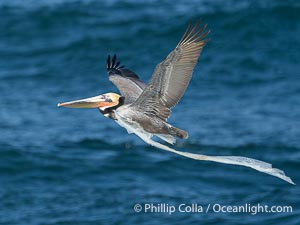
(73, 166)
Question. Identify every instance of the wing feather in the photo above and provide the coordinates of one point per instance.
(128, 82)
(172, 76)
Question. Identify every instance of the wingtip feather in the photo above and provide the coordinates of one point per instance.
(194, 33)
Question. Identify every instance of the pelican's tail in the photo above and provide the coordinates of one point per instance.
(176, 132)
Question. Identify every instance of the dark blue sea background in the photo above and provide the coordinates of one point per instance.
(74, 166)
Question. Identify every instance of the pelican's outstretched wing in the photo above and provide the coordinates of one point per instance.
(128, 83)
(172, 76)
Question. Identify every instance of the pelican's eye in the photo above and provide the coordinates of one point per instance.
(107, 99)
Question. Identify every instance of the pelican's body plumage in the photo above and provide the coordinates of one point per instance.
(144, 109)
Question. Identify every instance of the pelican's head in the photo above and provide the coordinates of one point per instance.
(105, 102)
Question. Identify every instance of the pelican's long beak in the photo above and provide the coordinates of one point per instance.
(93, 102)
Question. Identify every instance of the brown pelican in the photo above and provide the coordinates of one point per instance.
(144, 109)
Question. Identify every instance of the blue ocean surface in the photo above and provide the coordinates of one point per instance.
(74, 166)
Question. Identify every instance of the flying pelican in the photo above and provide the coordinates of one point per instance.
(144, 109)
